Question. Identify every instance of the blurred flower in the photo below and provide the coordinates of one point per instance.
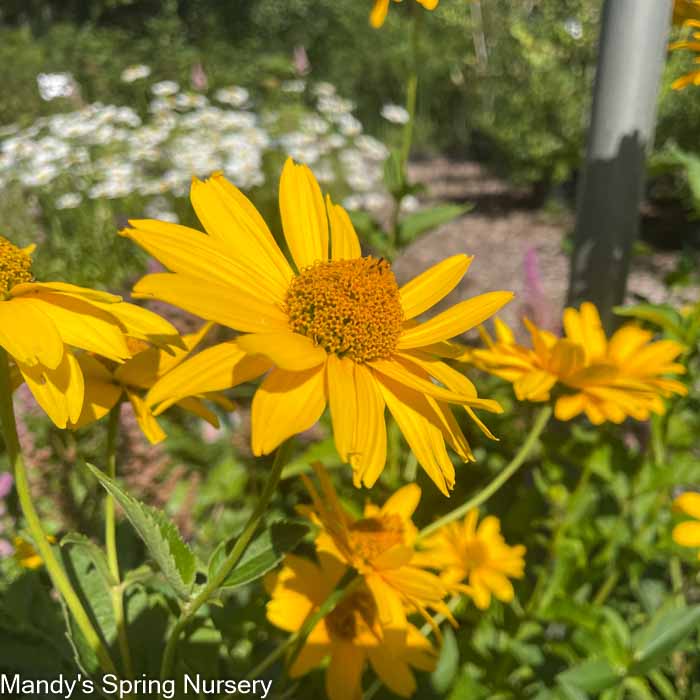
(409, 204)
(605, 379)
(135, 72)
(302, 66)
(296, 86)
(395, 114)
(158, 209)
(536, 300)
(684, 10)
(693, 44)
(41, 322)
(198, 77)
(480, 556)
(351, 635)
(687, 534)
(70, 200)
(338, 332)
(25, 554)
(6, 482)
(165, 88)
(573, 28)
(234, 95)
(381, 7)
(53, 85)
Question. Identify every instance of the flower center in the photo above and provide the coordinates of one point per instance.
(371, 537)
(15, 266)
(474, 554)
(349, 307)
(351, 615)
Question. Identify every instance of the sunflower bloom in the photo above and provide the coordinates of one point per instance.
(608, 380)
(107, 383)
(338, 331)
(42, 322)
(687, 534)
(351, 635)
(379, 546)
(381, 8)
(478, 556)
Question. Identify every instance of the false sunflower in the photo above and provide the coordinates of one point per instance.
(381, 8)
(351, 634)
(379, 546)
(107, 383)
(608, 380)
(42, 322)
(687, 534)
(478, 556)
(691, 44)
(338, 330)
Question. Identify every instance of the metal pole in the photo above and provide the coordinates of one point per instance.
(631, 55)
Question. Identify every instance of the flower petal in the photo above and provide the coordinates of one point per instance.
(285, 349)
(286, 403)
(304, 217)
(379, 12)
(145, 418)
(687, 534)
(344, 672)
(426, 290)
(343, 404)
(68, 289)
(101, 392)
(403, 502)
(689, 503)
(455, 320)
(344, 242)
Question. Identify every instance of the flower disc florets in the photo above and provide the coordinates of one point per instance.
(355, 613)
(371, 537)
(15, 266)
(349, 307)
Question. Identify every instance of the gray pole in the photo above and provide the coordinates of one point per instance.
(631, 55)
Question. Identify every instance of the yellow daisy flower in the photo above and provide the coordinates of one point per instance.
(351, 635)
(40, 323)
(607, 380)
(381, 8)
(687, 534)
(692, 44)
(337, 331)
(25, 554)
(379, 546)
(106, 383)
(477, 555)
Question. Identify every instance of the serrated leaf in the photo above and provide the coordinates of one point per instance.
(162, 539)
(662, 635)
(591, 676)
(96, 555)
(263, 554)
(415, 224)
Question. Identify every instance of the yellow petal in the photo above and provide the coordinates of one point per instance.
(217, 368)
(285, 349)
(392, 670)
(73, 290)
(426, 290)
(344, 672)
(197, 407)
(379, 12)
(286, 403)
(101, 392)
(310, 657)
(687, 534)
(145, 418)
(229, 217)
(569, 406)
(342, 401)
(429, 4)
(455, 321)
(689, 503)
(404, 501)
(344, 242)
(304, 217)
(214, 302)
(29, 335)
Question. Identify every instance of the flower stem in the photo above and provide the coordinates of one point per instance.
(411, 91)
(537, 427)
(233, 558)
(117, 592)
(54, 568)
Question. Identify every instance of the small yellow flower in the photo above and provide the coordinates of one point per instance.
(25, 554)
(479, 556)
(351, 635)
(106, 383)
(379, 546)
(331, 328)
(608, 380)
(684, 10)
(381, 8)
(687, 534)
(41, 323)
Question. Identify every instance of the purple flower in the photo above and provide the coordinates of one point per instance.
(6, 482)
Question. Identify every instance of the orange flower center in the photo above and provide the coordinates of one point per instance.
(355, 612)
(371, 537)
(15, 266)
(349, 307)
(474, 554)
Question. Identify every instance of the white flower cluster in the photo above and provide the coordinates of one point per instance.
(110, 152)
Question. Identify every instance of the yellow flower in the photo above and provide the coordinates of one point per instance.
(687, 534)
(337, 331)
(688, 13)
(106, 383)
(379, 546)
(381, 8)
(351, 635)
(480, 556)
(25, 554)
(40, 323)
(684, 10)
(607, 380)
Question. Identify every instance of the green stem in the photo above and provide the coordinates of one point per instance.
(537, 427)
(233, 558)
(411, 91)
(117, 592)
(53, 567)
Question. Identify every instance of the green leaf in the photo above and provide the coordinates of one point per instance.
(448, 664)
(415, 224)
(592, 676)
(162, 539)
(661, 315)
(263, 554)
(664, 633)
(96, 555)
